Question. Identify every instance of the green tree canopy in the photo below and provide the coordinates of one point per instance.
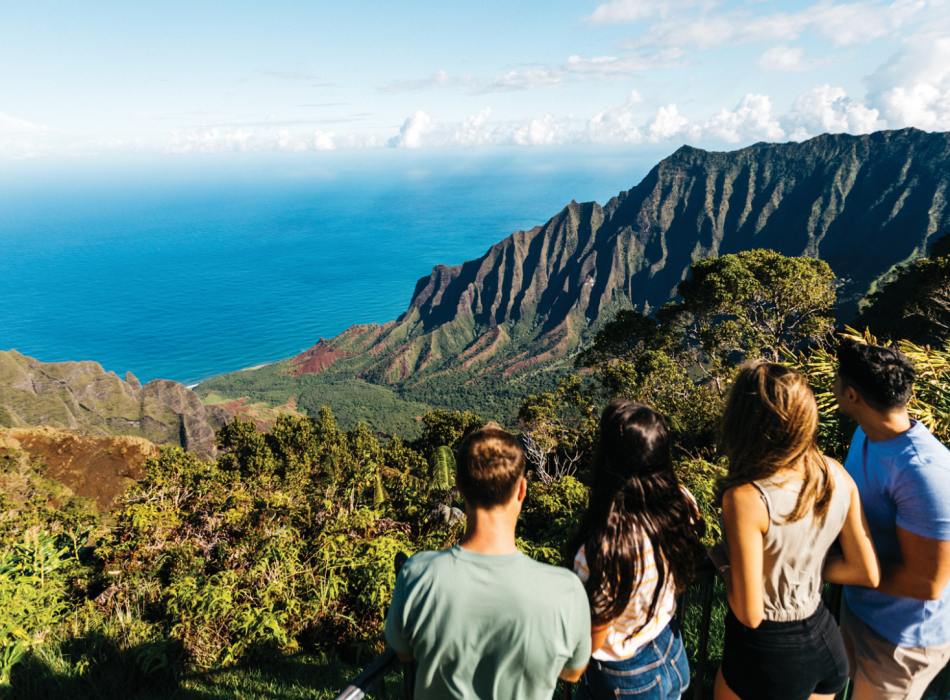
(753, 303)
(915, 304)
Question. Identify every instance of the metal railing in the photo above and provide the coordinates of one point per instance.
(373, 677)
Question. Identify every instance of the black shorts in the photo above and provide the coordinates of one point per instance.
(785, 660)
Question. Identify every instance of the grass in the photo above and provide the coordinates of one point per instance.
(126, 674)
(692, 599)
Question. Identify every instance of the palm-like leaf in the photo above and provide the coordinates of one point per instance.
(442, 475)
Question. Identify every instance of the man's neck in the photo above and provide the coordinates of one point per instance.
(885, 426)
(490, 531)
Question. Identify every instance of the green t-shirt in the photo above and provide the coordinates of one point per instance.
(488, 626)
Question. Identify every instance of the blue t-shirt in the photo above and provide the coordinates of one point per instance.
(904, 481)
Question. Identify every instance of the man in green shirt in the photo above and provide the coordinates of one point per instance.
(481, 619)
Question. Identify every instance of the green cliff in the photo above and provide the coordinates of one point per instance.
(82, 397)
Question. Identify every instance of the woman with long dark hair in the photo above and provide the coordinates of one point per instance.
(637, 547)
(783, 505)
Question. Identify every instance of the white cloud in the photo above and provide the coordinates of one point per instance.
(211, 140)
(751, 119)
(353, 140)
(534, 79)
(626, 11)
(913, 87)
(574, 69)
(616, 124)
(324, 140)
(537, 132)
(12, 125)
(922, 105)
(473, 131)
(791, 59)
(668, 123)
(412, 131)
(291, 143)
(844, 24)
(439, 79)
(829, 109)
(622, 65)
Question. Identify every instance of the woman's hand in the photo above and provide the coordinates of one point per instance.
(719, 556)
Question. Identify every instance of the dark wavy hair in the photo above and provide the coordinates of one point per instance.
(635, 496)
(883, 376)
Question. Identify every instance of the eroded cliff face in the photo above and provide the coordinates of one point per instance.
(861, 203)
(82, 397)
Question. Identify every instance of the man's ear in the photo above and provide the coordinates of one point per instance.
(853, 395)
(522, 489)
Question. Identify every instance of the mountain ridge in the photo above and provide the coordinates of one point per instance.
(542, 292)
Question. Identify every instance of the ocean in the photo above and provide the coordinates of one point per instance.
(187, 267)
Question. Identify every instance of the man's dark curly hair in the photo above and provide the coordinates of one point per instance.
(883, 376)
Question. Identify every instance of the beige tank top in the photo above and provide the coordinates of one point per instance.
(795, 552)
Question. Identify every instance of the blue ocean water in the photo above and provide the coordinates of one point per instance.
(185, 269)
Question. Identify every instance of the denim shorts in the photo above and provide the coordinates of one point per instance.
(659, 671)
(785, 660)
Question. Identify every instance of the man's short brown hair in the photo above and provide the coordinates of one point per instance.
(490, 464)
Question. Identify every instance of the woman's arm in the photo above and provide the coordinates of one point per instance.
(857, 565)
(746, 520)
(598, 635)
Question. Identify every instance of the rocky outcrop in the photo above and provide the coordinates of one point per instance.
(82, 397)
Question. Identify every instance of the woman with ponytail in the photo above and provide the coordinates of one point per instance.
(783, 505)
(637, 547)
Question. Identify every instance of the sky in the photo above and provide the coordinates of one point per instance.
(136, 80)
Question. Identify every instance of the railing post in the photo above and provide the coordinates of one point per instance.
(837, 591)
(409, 679)
(708, 586)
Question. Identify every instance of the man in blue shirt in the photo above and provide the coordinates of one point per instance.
(897, 635)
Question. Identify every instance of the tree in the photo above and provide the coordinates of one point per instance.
(561, 429)
(753, 304)
(915, 304)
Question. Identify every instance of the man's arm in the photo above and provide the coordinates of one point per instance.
(572, 675)
(395, 634)
(598, 634)
(582, 635)
(924, 570)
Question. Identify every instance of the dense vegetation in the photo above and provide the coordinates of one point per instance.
(283, 547)
(384, 409)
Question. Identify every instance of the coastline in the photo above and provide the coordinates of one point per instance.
(245, 369)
